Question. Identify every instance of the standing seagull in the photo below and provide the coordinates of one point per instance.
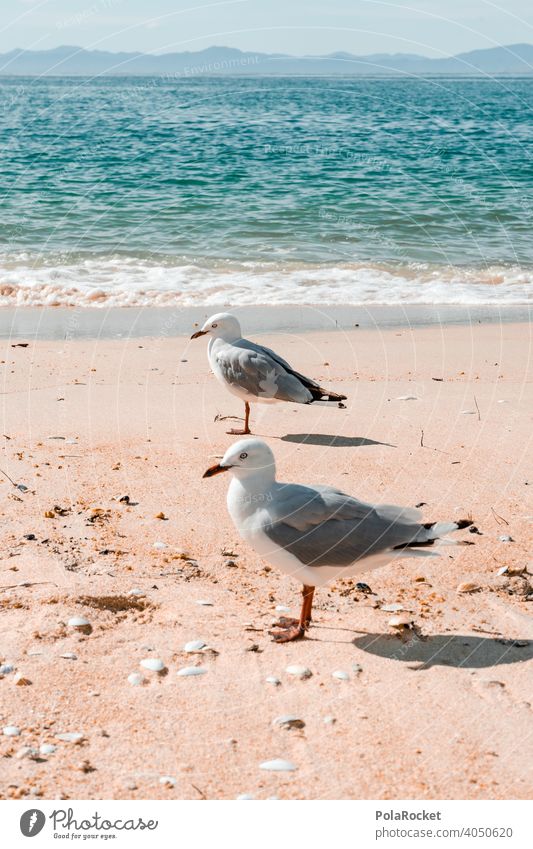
(254, 373)
(316, 533)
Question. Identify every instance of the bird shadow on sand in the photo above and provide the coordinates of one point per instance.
(458, 650)
(330, 440)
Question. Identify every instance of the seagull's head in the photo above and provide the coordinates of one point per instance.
(246, 458)
(223, 325)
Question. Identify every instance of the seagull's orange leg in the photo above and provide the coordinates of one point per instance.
(246, 429)
(294, 629)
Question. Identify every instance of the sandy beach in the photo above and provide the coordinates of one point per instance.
(106, 434)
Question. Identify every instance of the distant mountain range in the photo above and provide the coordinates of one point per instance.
(76, 61)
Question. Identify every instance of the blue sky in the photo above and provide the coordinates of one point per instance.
(429, 27)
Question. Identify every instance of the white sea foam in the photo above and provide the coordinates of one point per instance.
(132, 281)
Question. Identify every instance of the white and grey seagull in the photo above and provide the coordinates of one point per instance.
(254, 373)
(317, 533)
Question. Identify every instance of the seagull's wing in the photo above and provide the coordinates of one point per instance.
(318, 393)
(253, 369)
(322, 526)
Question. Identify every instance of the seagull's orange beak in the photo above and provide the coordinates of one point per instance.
(198, 334)
(215, 470)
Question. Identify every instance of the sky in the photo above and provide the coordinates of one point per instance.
(428, 27)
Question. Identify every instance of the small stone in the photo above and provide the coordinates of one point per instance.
(204, 603)
(136, 592)
(71, 737)
(130, 785)
(79, 623)
(186, 671)
(468, 587)
(502, 571)
(357, 668)
(288, 722)
(299, 671)
(506, 538)
(69, 655)
(271, 679)
(22, 681)
(278, 765)
(26, 752)
(516, 570)
(47, 749)
(160, 515)
(159, 546)
(168, 780)
(392, 608)
(136, 679)
(194, 646)
(230, 564)
(329, 720)
(11, 731)
(153, 664)
(340, 675)
(402, 620)
(280, 608)
(6, 668)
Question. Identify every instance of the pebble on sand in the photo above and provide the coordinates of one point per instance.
(47, 748)
(71, 737)
(159, 546)
(392, 608)
(288, 722)
(168, 780)
(11, 731)
(467, 587)
(278, 765)
(80, 623)
(6, 668)
(153, 664)
(341, 675)
(271, 679)
(329, 720)
(136, 679)
(299, 671)
(185, 671)
(194, 645)
(204, 603)
(280, 608)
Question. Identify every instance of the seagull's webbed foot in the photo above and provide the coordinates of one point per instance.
(286, 635)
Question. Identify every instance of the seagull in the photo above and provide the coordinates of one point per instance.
(254, 373)
(317, 533)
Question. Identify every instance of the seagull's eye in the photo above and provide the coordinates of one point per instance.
(214, 325)
(243, 456)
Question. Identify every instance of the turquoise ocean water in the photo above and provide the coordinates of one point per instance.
(266, 190)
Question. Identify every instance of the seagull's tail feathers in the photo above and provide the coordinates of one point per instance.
(433, 533)
(324, 396)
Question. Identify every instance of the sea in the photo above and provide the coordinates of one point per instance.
(269, 190)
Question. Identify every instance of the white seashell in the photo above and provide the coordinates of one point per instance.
(204, 603)
(136, 679)
(244, 797)
(288, 722)
(69, 655)
(299, 671)
(136, 592)
(11, 731)
(70, 737)
(160, 545)
(506, 538)
(501, 571)
(185, 671)
(467, 587)
(153, 664)
(80, 623)
(329, 720)
(392, 608)
(278, 765)
(47, 748)
(6, 668)
(271, 679)
(280, 608)
(194, 645)
(341, 675)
